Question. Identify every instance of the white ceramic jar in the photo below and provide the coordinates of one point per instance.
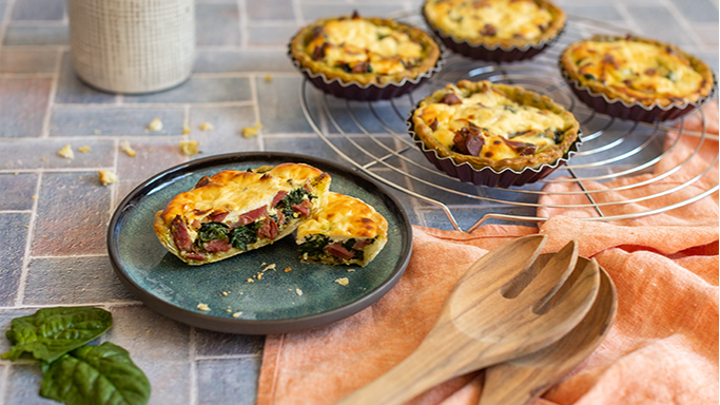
(132, 46)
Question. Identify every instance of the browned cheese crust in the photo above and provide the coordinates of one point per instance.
(494, 125)
(493, 23)
(637, 70)
(364, 50)
(232, 211)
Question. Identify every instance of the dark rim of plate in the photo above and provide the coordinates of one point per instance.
(255, 327)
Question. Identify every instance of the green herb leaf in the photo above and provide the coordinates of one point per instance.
(211, 231)
(96, 375)
(51, 332)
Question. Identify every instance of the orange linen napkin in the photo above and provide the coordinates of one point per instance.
(662, 348)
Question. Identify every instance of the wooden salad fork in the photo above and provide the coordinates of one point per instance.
(508, 304)
(523, 379)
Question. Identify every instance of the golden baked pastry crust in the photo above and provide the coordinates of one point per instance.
(511, 24)
(637, 71)
(303, 49)
(219, 216)
(345, 221)
(516, 129)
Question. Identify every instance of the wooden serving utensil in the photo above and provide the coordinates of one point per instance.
(506, 305)
(521, 380)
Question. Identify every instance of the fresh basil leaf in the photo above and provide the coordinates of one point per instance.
(51, 332)
(96, 375)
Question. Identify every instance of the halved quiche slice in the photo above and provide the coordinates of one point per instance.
(232, 212)
(348, 231)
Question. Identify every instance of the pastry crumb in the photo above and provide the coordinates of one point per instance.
(186, 129)
(268, 78)
(66, 152)
(125, 146)
(269, 267)
(206, 126)
(237, 314)
(298, 291)
(155, 125)
(250, 280)
(249, 132)
(189, 147)
(343, 281)
(107, 177)
(203, 307)
(259, 276)
(84, 149)
(97, 132)
(287, 269)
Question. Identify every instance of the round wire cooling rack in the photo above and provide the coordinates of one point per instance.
(620, 172)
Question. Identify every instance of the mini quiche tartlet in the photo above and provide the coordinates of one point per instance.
(364, 58)
(232, 212)
(348, 231)
(495, 30)
(493, 134)
(635, 78)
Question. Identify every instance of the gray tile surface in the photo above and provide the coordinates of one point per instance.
(250, 60)
(54, 251)
(75, 121)
(30, 154)
(12, 251)
(68, 280)
(28, 61)
(217, 24)
(228, 381)
(71, 204)
(36, 34)
(17, 191)
(38, 10)
(23, 104)
(71, 90)
(201, 90)
(279, 110)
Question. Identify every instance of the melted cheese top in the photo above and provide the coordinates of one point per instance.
(501, 19)
(357, 45)
(344, 217)
(237, 192)
(637, 67)
(498, 116)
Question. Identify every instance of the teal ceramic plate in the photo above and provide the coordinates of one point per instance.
(251, 293)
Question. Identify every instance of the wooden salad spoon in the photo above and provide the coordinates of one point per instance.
(523, 379)
(504, 306)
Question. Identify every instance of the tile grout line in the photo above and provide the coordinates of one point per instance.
(256, 111)
(4, 377)
(45, 134)
(28, 244)
(115, 187)
(684, 23)
(6, 21)
(297, 10)
(632, 24)
(243, 23)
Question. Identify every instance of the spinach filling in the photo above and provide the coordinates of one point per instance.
(239, 237)
(211, 231)
(244, 235)
(293, 198)
(314, 245)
